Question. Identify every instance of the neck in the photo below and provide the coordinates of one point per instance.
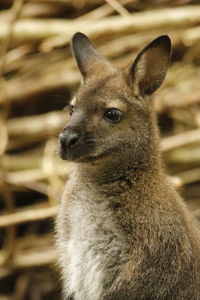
(114, 175)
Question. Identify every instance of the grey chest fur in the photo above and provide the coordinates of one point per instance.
(95, 250)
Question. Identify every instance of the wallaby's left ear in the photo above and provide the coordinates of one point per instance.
(149, 69)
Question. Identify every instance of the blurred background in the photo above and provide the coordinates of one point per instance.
(37, 79)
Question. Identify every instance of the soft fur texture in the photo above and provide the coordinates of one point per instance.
(123, 232)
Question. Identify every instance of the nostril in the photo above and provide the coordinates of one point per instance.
(72, 139)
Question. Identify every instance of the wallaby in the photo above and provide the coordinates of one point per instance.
(123, 232)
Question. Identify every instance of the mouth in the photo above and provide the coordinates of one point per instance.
(79, 153)
(93, 158)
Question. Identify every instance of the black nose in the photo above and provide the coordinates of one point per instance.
(68, 139)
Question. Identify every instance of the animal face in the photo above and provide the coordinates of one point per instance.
(111, 114)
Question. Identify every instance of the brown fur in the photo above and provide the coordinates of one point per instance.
(123, 232)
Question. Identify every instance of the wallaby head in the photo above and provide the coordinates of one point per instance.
(111, 115)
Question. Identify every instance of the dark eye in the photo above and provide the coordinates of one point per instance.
(113, 115)
(70, 108)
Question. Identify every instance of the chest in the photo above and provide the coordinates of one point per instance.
(95, 250)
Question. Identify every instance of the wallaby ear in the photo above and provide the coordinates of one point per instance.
(88, 59)
(149, 69)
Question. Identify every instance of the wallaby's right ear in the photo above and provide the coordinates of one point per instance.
(149, 69)
(88, 59)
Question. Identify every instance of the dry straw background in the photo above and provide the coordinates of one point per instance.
(37, 77)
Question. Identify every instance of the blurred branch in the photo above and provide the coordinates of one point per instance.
(19, 89)
(61, 73)
(102, 11)
(7, 196)
(14, 15)
(29, 215)
(185, 156)
(180, 140)
(34, 259)
(189, 176)
(32, 175)
(137, 22)
(31, 10)
(118, 7)
(42, 29)
(43, 125)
